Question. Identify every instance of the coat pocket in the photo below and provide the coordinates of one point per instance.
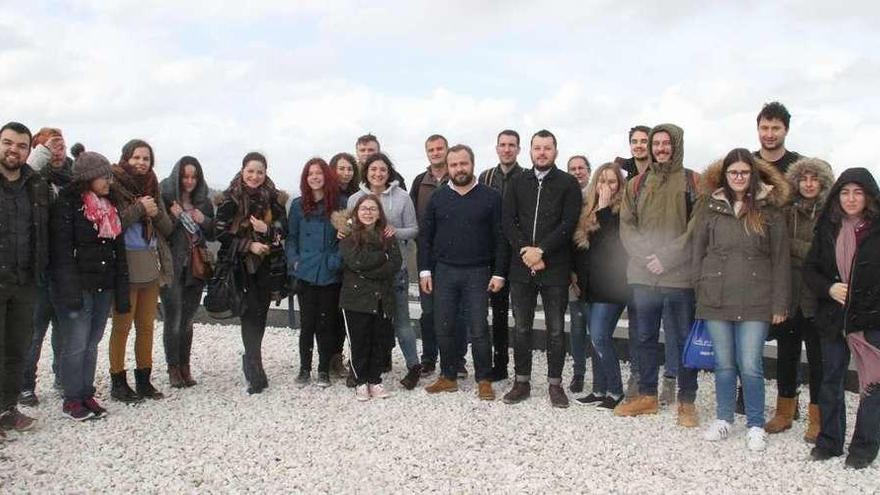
(710, 289)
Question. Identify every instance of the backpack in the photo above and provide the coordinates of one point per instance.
(690, 189)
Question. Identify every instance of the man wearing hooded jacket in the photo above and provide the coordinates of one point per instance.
(654, 228)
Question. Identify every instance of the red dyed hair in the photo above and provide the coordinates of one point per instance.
(331, 188)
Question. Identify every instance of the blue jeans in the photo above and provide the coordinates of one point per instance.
(406, 336)
(524, 298)
(603, 321)
(675, 307)
(429, 334)
(739, 350)
(458, 288)
(632, 339)
(672, 348)
(579, 335)
(832, 404)
(44, 314)
(83, 330)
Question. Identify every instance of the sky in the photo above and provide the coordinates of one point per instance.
(298, 79)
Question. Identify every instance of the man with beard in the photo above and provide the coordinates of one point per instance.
(541, 207)
(49, 157)
(498, 178)
(24, 215)
(638, 146)
(773, 121)
(460, 245)
(367, 145)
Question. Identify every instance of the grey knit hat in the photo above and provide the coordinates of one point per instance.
(90, 165)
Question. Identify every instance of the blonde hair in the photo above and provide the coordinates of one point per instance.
(588, 221)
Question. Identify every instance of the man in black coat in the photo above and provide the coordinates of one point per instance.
(540, 210)
(24, 204)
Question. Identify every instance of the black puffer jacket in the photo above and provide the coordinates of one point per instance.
(862, 309)
(179, 241)
(543, 216)
(81, 261)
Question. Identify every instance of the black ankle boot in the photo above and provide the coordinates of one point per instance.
(252, 375)
(143, 386)
(120, 390)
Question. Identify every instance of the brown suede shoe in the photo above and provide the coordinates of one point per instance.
(558, 397)
(643, 404)
(687, 415)
(485, 391)
(520, 392)
(442, 385)
(813, 423)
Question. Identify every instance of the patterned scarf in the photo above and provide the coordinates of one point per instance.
(102, 213)
(845, 247)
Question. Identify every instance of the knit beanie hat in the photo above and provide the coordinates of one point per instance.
(90, 165)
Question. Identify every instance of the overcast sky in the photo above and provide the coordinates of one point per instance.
(296, 79)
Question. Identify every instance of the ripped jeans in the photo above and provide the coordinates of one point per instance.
(603, 321)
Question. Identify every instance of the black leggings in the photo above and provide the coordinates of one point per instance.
(253, 320)
(319, 312)
(369, 334)
(789, 337)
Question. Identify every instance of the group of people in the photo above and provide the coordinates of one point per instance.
(762, 244)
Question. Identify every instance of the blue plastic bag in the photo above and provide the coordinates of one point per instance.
(698, 351)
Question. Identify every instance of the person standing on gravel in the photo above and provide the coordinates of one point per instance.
(459, 241)
(654, 226)
(578, 309)
(540, 211)
(498, 178)
(24, 196)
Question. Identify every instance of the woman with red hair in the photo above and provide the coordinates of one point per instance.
(313, 258)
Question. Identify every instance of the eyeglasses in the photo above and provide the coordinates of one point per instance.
(737, 174)
(368, 209)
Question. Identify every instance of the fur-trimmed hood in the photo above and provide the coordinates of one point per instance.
(820, 168)
(281, 197)
(340, 221)
(775, 190)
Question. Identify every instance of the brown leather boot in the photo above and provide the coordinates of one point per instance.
(643, 404)
(174, 377)
(784, 416)
(687, 415)
(186, 374)
(814, 421)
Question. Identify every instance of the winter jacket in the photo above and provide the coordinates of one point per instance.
(783, 163)
(423, 187)
(659, 223)
(862, 309)
(801, 216)
(542, 214)
(399, 211)
(368, 276)
(24, 238)
(498, 180)
(82, 261)
(312, 246)
(179, 240)
(132, 212)
(601, 267)
(740, 275)
(628, 165)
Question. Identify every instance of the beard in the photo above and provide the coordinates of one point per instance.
(542, 168)
(11, 165)
(462, 180)
(773, 147)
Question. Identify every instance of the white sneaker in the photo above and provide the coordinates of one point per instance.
(362, 393)
(377, 391)
(756, 439)
(717, 431)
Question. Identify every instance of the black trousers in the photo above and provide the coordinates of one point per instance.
(319, 320)
(179, 305)
(16, 332)
(368, 334)
(500, 302)
(789, 336)
(253, 320)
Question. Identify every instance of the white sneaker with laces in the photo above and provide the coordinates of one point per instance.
(377, 391)
(362, 393)
(756, 439)
(717, 431)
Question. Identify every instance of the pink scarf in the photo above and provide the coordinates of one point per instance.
(102, 213)
(845, 247)
(867, 359)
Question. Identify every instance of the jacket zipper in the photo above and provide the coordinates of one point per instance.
(537, 204)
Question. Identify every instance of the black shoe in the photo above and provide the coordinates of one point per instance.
(557, 396)
(428, 368)
(591, 399)
(461, 371)
(411, 379)
(520, 392)
(143, 385)
(740, 401)
(856, 462)
(822, 454)
(121, 391)
(303, 377)
(577, 384)
(609, 403)
(498, 374)
(28, 398)
(324, 379)
(387, 368)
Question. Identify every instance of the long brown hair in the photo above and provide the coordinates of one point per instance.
(752, 215)
(589, 222)
(360, 233)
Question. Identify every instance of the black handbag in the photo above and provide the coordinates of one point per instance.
(225, 297)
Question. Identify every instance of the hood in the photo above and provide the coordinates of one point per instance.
(170, 186)
(775, 190)
(820, 168)
(857, 175)
(388, 190)
(677, 135)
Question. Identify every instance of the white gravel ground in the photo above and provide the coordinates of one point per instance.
(216, 438)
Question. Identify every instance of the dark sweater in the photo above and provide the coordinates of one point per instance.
(463, 230)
